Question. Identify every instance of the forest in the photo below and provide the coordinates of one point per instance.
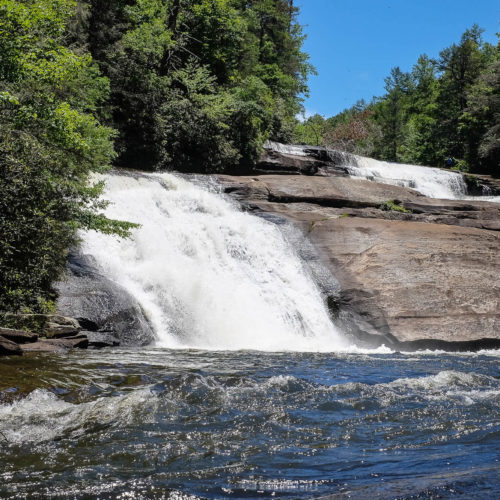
(190, 85)
(193, 86)
(444, 112)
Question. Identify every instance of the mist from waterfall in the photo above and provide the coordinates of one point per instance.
(207, 274)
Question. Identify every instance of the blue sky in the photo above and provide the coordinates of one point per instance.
(354, 43)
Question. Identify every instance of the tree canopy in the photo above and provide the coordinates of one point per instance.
(196, 84)
(448, 107)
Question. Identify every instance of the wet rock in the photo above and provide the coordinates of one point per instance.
(426, 277)
(273, 162)
(101, 304)
(102, 339)
(9, 348)
(58, 345)
(18, 336)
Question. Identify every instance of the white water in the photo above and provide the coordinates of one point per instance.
(208, 275)
(286, 149)
(432, 182)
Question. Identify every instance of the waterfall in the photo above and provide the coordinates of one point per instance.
(207, 274)
(432, 182)
(286, 149)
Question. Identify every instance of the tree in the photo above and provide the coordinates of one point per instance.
(460, 66)
(483, 115)
(50, 141)
(390, 113)
(236, 45)
(310, 130)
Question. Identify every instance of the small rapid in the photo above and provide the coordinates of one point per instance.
(187, 424)
(431, 182)
(207, 274)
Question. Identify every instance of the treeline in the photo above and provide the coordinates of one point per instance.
(181, 84)
(444, 112)
(196, 84)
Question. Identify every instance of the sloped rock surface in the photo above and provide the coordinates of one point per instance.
(425, 276)
(102, 305)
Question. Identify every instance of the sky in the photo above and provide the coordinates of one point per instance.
(354, 43)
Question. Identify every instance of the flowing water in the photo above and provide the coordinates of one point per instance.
(184, 424)
(250, 390)
(207, 274)
(432, 182)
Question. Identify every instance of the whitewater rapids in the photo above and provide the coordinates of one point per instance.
(208, 275)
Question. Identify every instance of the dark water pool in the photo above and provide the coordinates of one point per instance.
(194, 424)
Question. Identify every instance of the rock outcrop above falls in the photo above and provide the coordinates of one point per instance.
(415, 272)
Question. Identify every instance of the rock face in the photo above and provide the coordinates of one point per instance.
(101, 305)
(423, 275)
(44, 333)
(18, 336)
(9, 348)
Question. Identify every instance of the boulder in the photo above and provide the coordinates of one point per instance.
(58, 345)
(18, 336)
(9, 348)
(101, 339)
(100, 304)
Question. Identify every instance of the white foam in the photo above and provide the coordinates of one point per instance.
(208, 275)
(432, 182)
(42, 416)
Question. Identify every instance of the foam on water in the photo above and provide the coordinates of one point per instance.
(42, 416)
(207, 274)
(432, 182)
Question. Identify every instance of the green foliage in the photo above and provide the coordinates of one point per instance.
(392, 205)
(442, 108)
(197, 85)
(310, 130)
(50, 141)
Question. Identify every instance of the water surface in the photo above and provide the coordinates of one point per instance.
(161, 423)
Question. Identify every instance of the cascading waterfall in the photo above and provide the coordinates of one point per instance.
(432, 182)
(286, 149)
(207, 274)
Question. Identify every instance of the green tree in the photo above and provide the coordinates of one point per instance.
(50, 141)
(391, 113)
(460, 65)
(483, 115)
(310, 130)
(229, 47)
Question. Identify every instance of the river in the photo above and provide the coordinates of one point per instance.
(159, 423)
(250, 390)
